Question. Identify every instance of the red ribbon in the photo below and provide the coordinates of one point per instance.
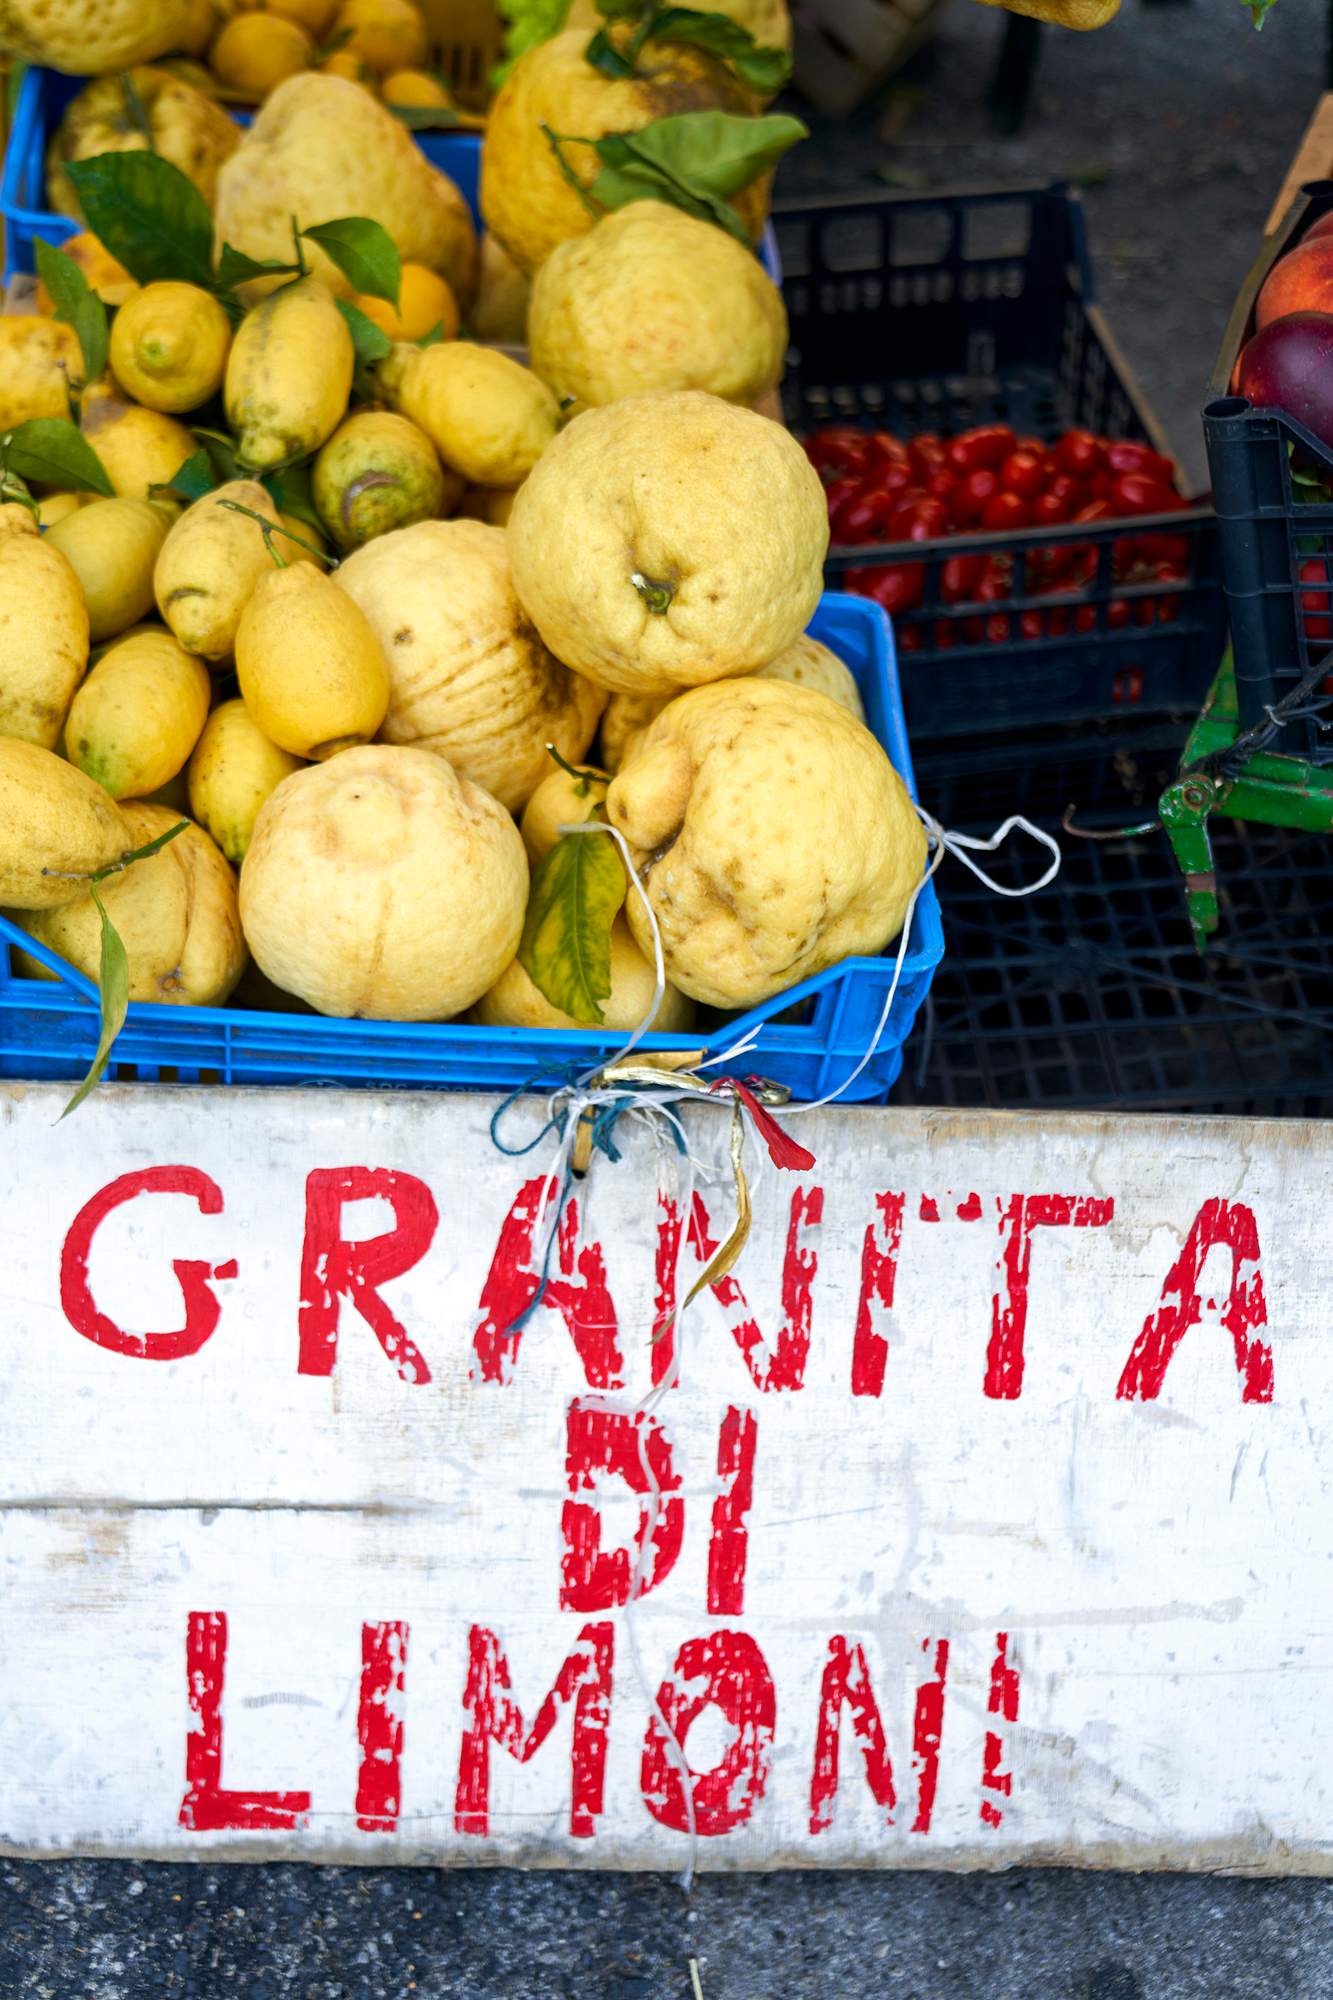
(783, 1150)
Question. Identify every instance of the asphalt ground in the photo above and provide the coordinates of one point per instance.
(1177, 122)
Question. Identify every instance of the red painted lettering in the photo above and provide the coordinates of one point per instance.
(1180, 1307)
(1018, 1217)
(727, 1670)
(846, 1683)
(1003, 1701)
(879, 1275)
(630, 1447)
(584, 1679)
(781, 1366)
(206, 1806)
(927, 1728)
(202, 1309)
(576, 1288)
(332, 1268)
(379, 1726)
(729, 1543)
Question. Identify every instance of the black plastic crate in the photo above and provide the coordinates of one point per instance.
(1089, 995)
(939, 311)
(1268, 533)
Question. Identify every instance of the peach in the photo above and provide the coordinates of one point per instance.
(1302, 281)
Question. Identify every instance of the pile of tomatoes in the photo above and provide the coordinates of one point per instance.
(991, 481)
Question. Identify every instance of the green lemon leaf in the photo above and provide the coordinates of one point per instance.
(148, 214)
(364, 252)
(53, 452)
(290, 492)
(221, 451)
(618, 186)
(714, 153)
(435, 337)
(192, 480)
(426, 117)
(90, 324)
(114, 972)
(603, 54)
(235, 268)
(763, 69)
(76, 304)
(372, 344)
(114, 986)
(62, 277)
(566, 945)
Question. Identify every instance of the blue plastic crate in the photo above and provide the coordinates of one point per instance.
(811, 1038)
(43, 96)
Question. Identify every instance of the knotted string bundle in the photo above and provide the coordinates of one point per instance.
(584, 1110)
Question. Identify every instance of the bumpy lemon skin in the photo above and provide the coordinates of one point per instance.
(772, 835)
(653, 298)
(56, 828)
(43, 635)
(176, 913)
(669, 540)
(383, 886)
(470, 677)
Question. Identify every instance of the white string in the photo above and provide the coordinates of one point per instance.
(573, 1102)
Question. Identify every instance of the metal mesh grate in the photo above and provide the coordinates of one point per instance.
(1090, 994)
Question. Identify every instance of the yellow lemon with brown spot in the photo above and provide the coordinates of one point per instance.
(139, 714)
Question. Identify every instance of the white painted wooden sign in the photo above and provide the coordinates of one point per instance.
(993, 1526)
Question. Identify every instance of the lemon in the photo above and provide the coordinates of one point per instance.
(415, 89)
(514, 1002)
(386, 34)
(668, 540)
(176, 913)
(110, 280)
(383, 885)
(254, 53)
(139, 714)
(487, 416)
(169, 347)
(526, 198)
(44, 625)
(311, 670)
(57, 827)
(315, 16)
(112, 546)
(233, 770)
(703, 312)
(424, 303)
(560, 800)
(470, 679)
(378, 472)
(139, 448)
(772, 835)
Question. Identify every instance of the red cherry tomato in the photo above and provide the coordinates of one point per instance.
(925, 455)
(1127, 456)
(959, 577)
(940, 487)
(837, 449)
(983, 449)
(946, 634)
(1117, 614)
(842, 490)
(998, 628)
(923, 520)
(1080, 453)
(1136, 493)
(885, 449)
(1032, 624)
(863, 517)
(1022, 473)
(1048, 510)
(970, 495)
(899, 588)
(1004, 513)
(1057, 621)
